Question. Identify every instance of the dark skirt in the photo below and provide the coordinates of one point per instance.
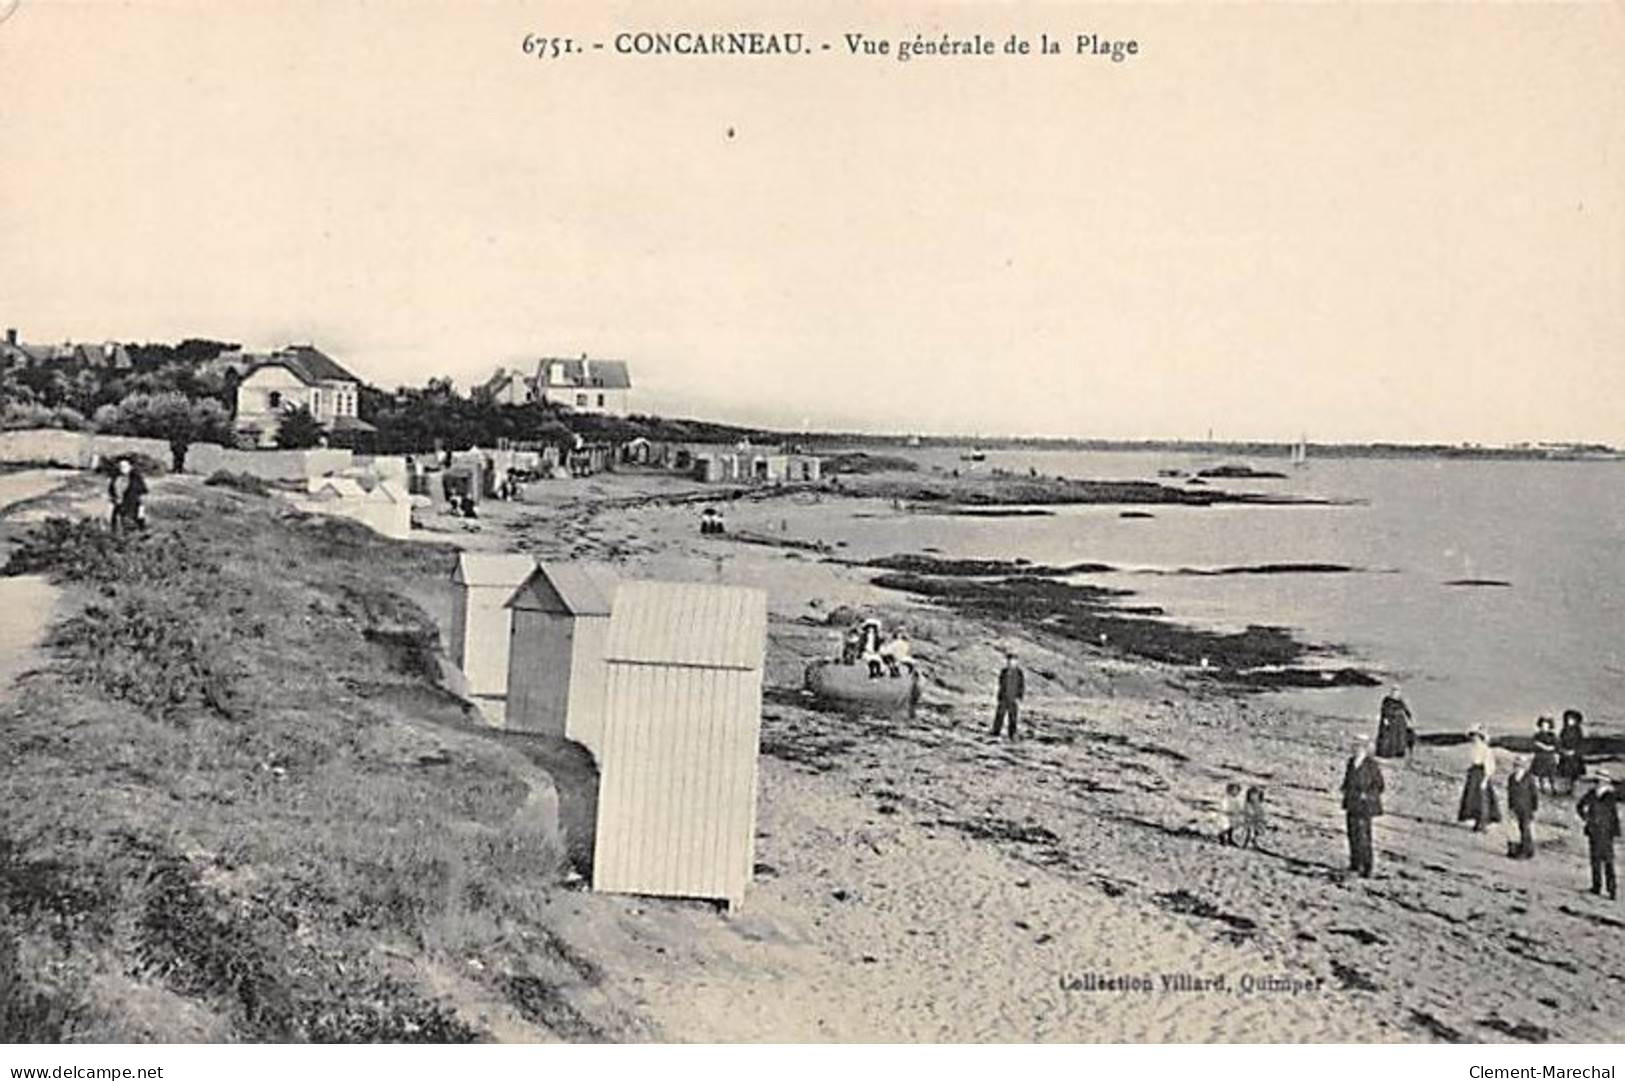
(1545, 764)
(1392, 739)
(1478, 802)
(1571, 765)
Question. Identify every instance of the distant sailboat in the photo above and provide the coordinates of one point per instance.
(1300, 453)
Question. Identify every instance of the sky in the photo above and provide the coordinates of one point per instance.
(1347, 222)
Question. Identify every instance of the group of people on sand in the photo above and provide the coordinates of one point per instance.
(1558, 760)
(865, 644)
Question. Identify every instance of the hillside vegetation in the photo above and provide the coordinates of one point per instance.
(238, 806)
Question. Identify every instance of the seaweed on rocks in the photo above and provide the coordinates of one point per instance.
(982, 568)
(1240, 472)
(1258, 658)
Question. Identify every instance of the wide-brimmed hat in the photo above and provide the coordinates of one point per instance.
(1477, 730)
(1602, 775)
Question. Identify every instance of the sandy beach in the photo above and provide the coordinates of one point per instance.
(916, 879)
(920, 880)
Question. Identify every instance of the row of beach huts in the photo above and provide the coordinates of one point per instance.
(381, 491)
(661, 682)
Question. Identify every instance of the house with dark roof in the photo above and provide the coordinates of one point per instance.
(86, 354)
(585, 385)
(506, 388)
(295, 377)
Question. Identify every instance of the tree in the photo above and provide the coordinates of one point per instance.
(171, 416)
(298, 430)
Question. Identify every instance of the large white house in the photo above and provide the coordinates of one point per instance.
(299, 376)
(585, 386)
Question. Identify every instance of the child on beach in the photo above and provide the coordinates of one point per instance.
(1252, 816)
(1230, 807)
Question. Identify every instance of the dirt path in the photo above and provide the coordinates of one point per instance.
(30, 484)
(29, 601)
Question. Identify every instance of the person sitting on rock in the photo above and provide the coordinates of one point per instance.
(897, 654)
(851, 646)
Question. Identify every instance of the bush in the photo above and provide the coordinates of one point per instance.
(85, 550)
(25, 415)
(239, 482)
(171, 416)
(298, 430)
(151, 651)
(148, 465)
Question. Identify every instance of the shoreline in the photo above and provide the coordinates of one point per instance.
(1110, 800)
(915, 878)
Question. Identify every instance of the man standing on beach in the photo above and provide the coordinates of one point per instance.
(1523, 799)
(1362, 801)
(1599, 808)
(1012, 688)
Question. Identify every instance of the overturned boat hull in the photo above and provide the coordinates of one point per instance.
(850, 686)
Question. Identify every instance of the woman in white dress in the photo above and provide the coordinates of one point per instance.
(1478, 803)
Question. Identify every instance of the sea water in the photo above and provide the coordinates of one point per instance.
(1553, 531)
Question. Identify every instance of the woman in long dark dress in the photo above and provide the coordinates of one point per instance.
(1393, 727)
(1571, 764)
(1478, 803)
(1544, 766)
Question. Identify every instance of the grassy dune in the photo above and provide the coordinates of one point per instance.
(237, 806)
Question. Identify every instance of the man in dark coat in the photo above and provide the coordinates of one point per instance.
(1599, 808)
(1362, 801)
(1523, 799)
(1012, 688)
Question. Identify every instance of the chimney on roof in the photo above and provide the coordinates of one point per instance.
(586, 371)
(11, 335)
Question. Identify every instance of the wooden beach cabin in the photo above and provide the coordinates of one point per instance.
(556, 670)
(682, 721)
(480, 621)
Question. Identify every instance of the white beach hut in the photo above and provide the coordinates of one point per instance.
(561, 616)
(484, 582)
(677, 761)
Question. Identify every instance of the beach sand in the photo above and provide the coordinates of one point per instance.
(920, 880)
